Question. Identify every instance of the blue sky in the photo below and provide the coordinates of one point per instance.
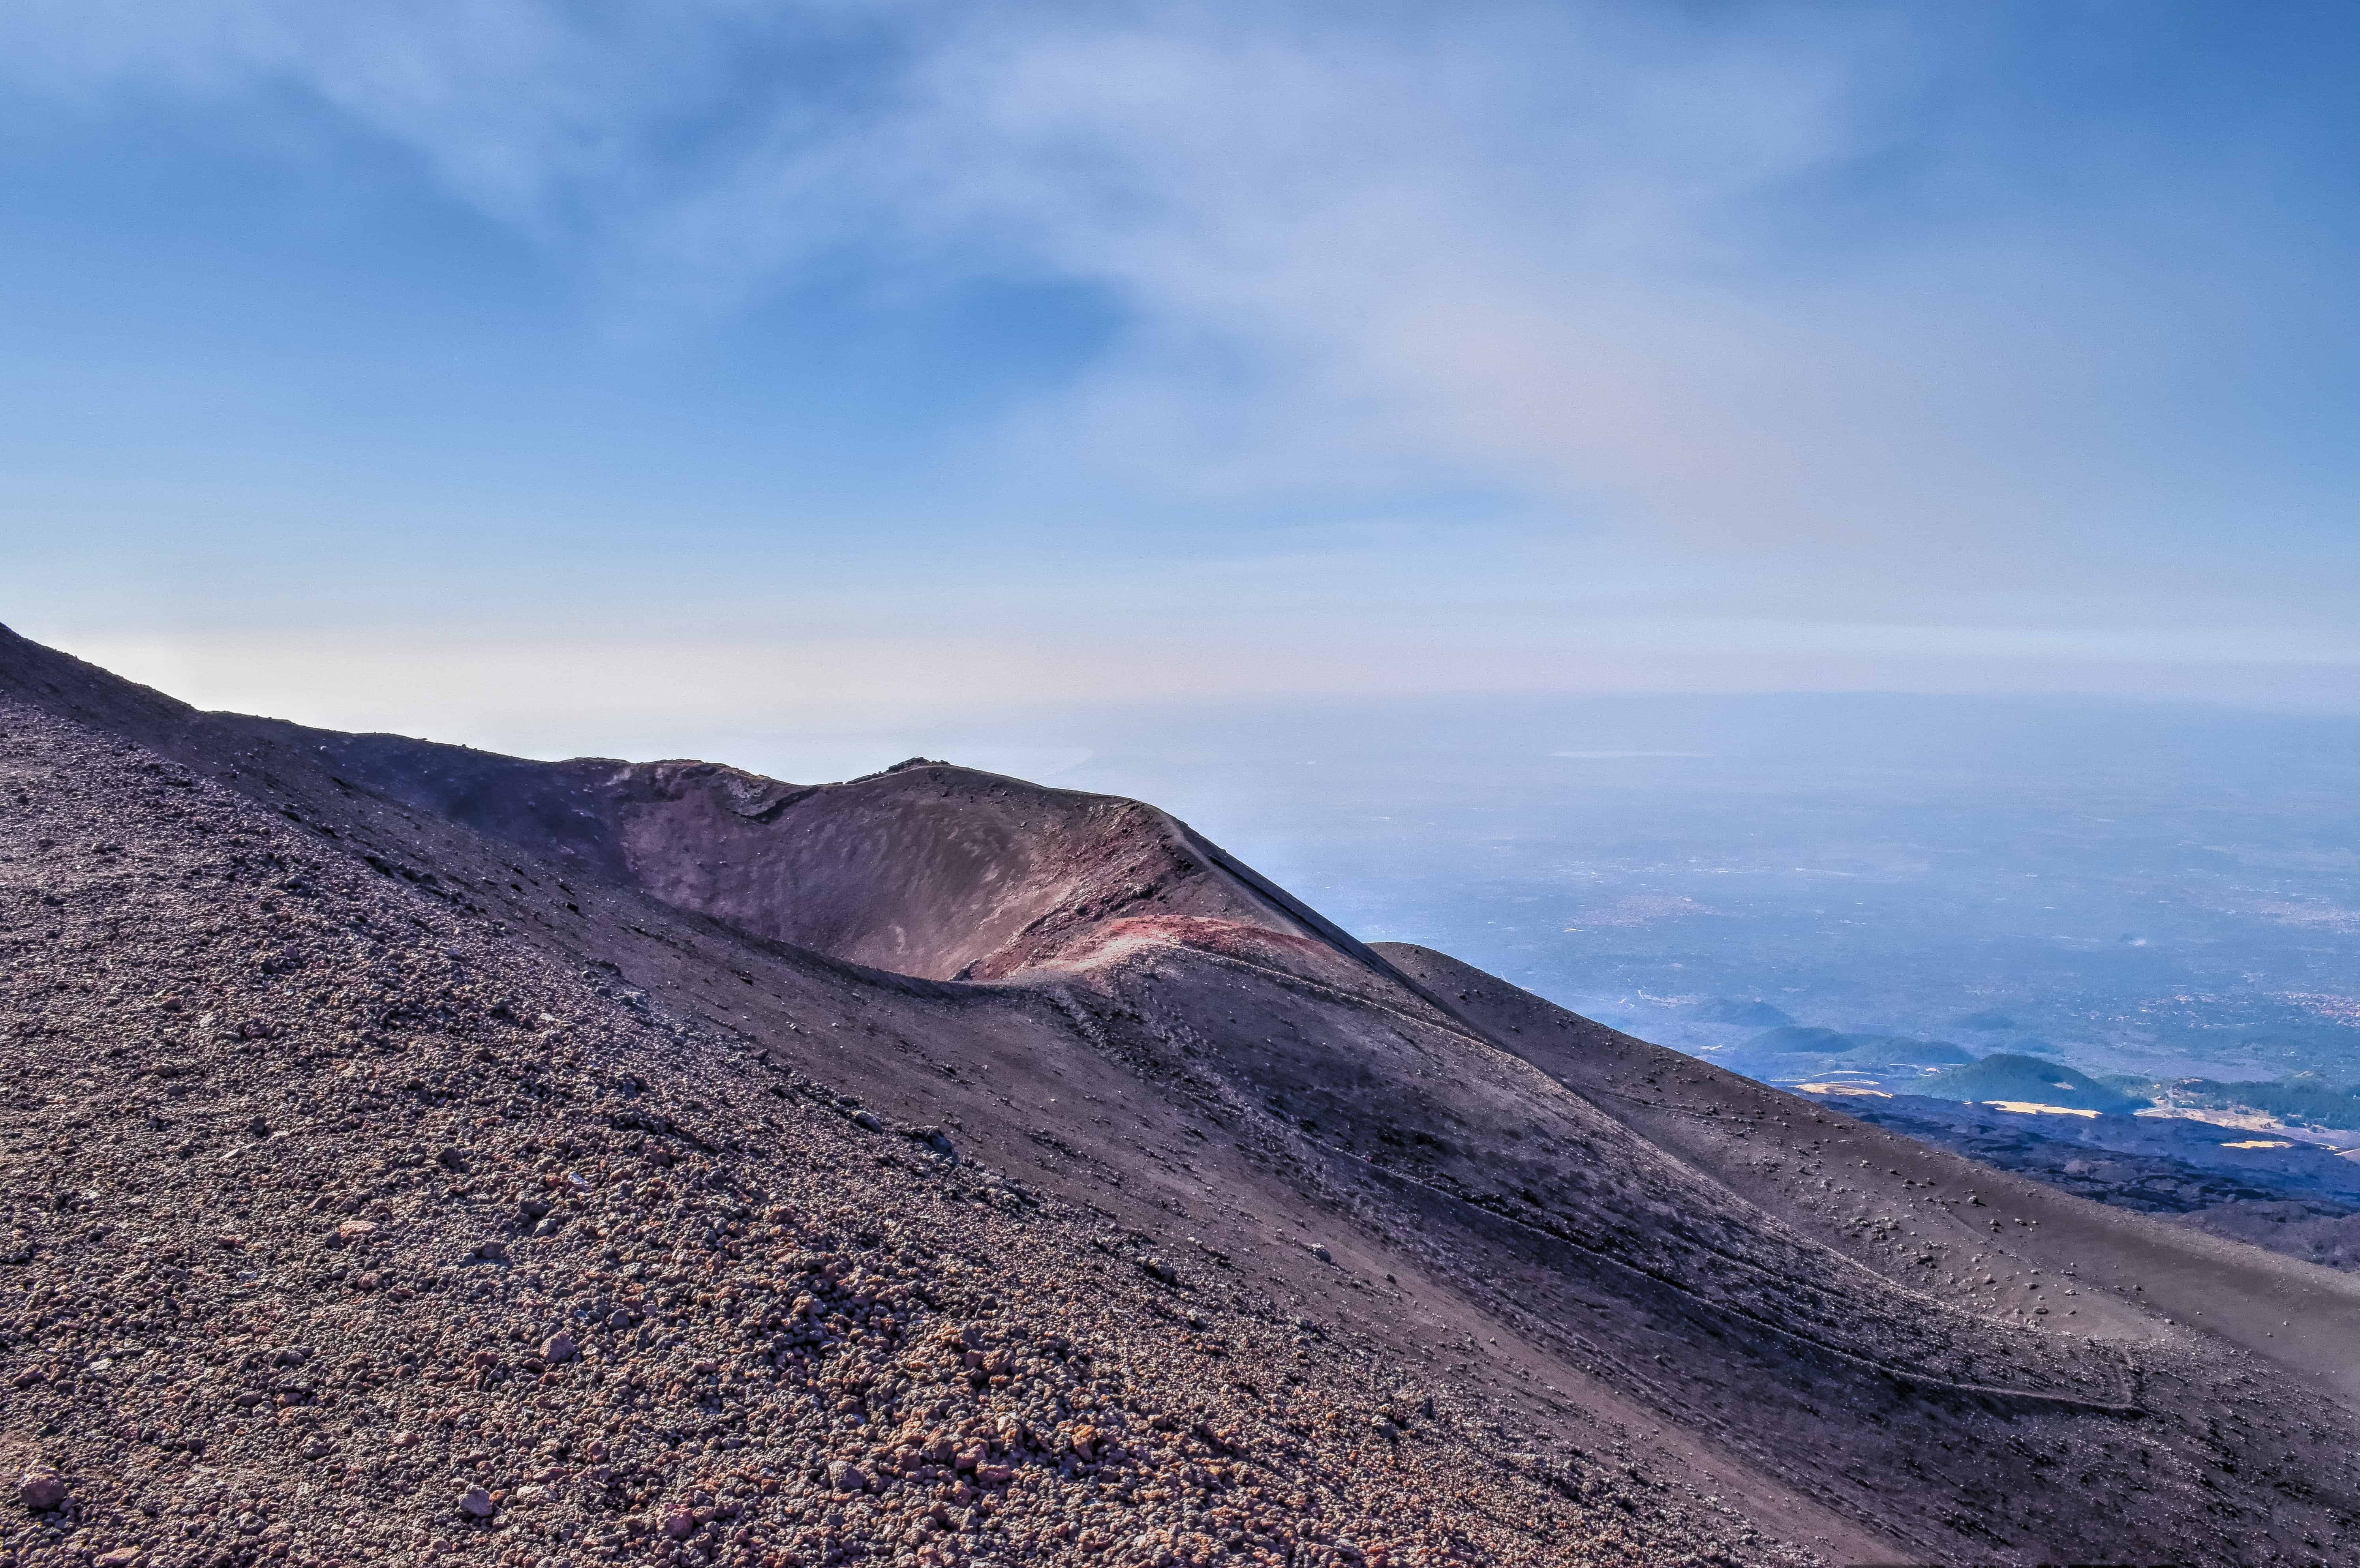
(519, 372)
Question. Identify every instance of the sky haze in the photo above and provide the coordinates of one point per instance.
(497, 369)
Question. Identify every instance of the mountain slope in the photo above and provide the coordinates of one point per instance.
(1280, 1180)
(339, 1211)
(924, 869)
(1846, 1184)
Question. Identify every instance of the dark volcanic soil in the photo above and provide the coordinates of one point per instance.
(2298, 1199)
(412, 1152)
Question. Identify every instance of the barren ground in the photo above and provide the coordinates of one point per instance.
(414, 1153)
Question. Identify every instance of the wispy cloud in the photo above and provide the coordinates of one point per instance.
(1613, 269)
(1508, 246)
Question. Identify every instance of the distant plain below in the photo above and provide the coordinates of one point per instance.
(2148, 889)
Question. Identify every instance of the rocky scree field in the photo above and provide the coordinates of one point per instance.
(419, 1153)
(339, 1232)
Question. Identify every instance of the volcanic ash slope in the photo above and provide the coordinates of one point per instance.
(345, 1230)
(416, 1152)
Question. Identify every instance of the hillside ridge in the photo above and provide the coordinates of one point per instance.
(1386, 1213)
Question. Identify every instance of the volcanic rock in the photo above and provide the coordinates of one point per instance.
(39, 1489)
(1664, 1314)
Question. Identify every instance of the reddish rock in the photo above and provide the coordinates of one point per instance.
(41, 1489)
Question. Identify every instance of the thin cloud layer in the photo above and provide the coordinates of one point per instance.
(1697, 314)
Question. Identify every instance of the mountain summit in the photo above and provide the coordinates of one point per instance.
(416, 1154)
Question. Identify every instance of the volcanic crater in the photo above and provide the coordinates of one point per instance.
(416, 1154)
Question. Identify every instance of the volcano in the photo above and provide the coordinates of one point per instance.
(416, 1154)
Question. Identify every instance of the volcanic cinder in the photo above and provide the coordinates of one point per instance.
(414, 1153)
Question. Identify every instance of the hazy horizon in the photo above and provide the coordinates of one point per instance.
(1129, 396)
(2162, 888)
(478, 366)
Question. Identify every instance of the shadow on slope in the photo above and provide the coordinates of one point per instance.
(1441, 1182)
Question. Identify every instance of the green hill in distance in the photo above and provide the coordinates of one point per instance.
(2305, 1098)
(1899, 1051)
(2004, 1075)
